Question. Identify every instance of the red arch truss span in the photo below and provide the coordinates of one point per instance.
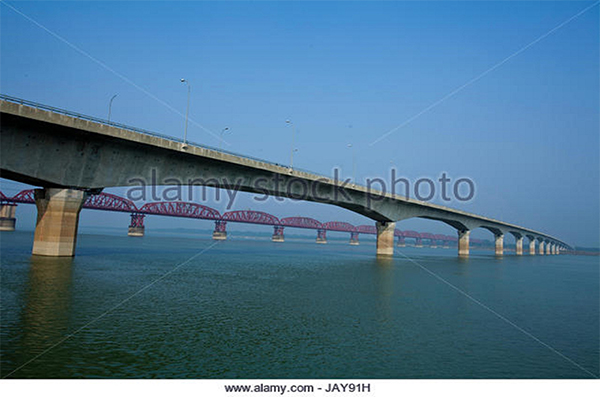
(249, 216)
(180, 209)
(107, 201)
(411, 233)
(339, 226)
(300, 221)
(366, 229)
(25, 196)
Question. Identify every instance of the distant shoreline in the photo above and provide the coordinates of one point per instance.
(581, 252)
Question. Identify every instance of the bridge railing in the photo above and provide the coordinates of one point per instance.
(53, 109)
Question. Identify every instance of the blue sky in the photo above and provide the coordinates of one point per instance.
(522, 121)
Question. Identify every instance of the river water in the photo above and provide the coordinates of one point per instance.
(187, 307)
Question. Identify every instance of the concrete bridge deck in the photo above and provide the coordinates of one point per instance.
(72, 155)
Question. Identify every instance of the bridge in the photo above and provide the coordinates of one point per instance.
(111, 202)
(72, 156)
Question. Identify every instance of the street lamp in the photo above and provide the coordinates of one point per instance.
(187, 112)
(292, 150)
(110, 105)
(353, 162)
(221, 141)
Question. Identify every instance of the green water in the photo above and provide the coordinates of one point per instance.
(176, 307)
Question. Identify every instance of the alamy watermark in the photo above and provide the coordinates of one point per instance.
(281, 186)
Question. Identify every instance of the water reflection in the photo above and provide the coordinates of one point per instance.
(384, 282)
(462, 259)
(45, 315)
(462, 265)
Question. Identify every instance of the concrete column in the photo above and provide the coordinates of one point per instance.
(354, 238)
(136, 227)
(463, 242)
(401, 241)
(220, 232)
(548, 252)
(7, 217)
(532, 247)
(278, 234)
(419, 242)
(541, 248)
(57, 221)
(432, 244)
(519, 245)
(499, 238)
(321, 236)
(385, 238)
(558, 250)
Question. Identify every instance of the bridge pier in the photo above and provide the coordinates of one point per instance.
(463, 242)
(220, 232)
(418, 243)
(541, 248)
(321, 236)
(519, 245)
(499, 243)
(432, 244)
(548, 251)
(385, 238)
(136, 227)
(57, 221)
(354, 238)
(7, 217)
(531, 245)
(401, 241)
(278, 234)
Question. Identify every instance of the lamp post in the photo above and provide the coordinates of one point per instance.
(353, 162)
(187, 112)
(221, 141)
(110, 105)
(292, 150)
